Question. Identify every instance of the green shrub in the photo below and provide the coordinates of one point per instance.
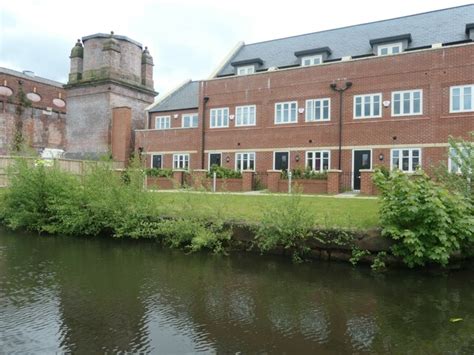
(379, 262)
(357, 254)
(223, 173)
(427, 221)
(154, 172)
(194, 234)
(304, 174)
(33, 190)
(287, 224)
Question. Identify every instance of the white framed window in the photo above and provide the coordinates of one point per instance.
(245, 115)
(157, 161)
(318, 160)
(181, 161)
(311, 60)
(220, 117)
(189, 120)
(286, 112)
(391, 48)
(245, 161)
(407, 103)
(162, 122)
(318, 110)
(406, 159)
(246, 70)
(368, 106)
(461, 98)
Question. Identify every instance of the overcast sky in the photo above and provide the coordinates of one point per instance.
(186, 38)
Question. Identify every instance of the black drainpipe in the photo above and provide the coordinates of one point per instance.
(204, 103)
(341, 92)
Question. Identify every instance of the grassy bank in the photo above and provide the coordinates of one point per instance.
(325, 211)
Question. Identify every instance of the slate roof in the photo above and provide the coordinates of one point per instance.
(186, 96)
(38, 79)
(440, 26)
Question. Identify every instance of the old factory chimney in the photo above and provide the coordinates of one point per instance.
(110, 85)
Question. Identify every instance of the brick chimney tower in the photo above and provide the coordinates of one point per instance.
(111, 78)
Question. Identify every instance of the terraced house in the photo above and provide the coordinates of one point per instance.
(383, 93)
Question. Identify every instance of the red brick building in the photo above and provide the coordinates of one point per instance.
(405, 85)
(32, 109)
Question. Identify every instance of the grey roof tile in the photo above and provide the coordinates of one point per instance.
(38, 79)
(440, 26)
(186, 96)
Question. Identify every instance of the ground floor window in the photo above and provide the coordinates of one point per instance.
(406, 160)
(181, 161)
(318, 160)
(157, 161)
(245, 161)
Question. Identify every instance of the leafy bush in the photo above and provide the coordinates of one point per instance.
(427, 221)
(357, 254)
(223, 173)
(154, 172)
(379, 262)
(102, 202)
(194, 234)
(287, 224)
(304, 174)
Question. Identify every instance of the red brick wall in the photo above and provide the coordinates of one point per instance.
(47, 92)
(433, 71)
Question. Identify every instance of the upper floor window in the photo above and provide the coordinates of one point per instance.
(189, 120)
(318, 110)
(219, 117)
(245, 70)
(245, 161)
(181, 161)
(245, 115)
(407, 103)
(368, 106)
(406, 160)
(162, 122)
(318, 160)
(311, 60)
(392, 48)
(461, 98)
(286, 112)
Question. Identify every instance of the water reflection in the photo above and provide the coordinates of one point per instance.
(78, 295)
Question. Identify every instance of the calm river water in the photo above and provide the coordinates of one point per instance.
(77, 295)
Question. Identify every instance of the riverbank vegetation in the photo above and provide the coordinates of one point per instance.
(423, 221)
(430, 219)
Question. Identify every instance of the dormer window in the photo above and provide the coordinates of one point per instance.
(313, 56)
(247, 66)
(392, 48)
(390, 45)
(311, 60)
(246, 70)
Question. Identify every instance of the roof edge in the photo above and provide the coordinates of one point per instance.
(313, 51)
(247, 61)
(168, 94)
(35, 78)
(226, 59)
(402, 37)
(107, 35)
(362, 24)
